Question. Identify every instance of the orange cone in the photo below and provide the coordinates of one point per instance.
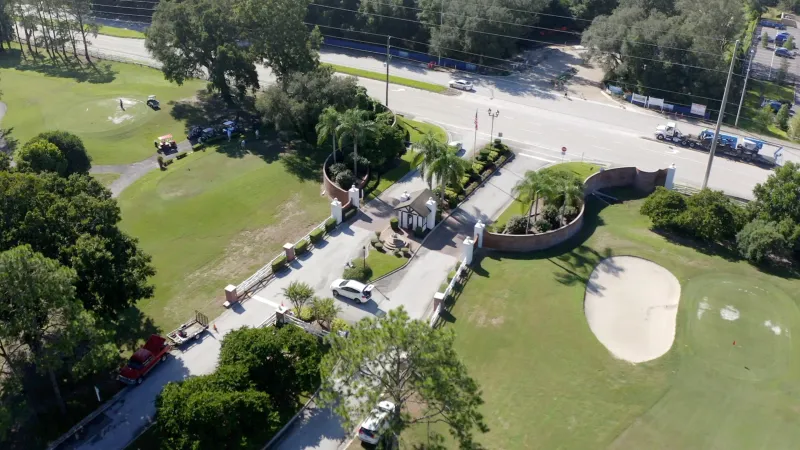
(215, 328)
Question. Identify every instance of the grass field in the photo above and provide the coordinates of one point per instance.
(582, 170)
(438, 88)
(42, 97)
(120, 32)
(756, 90)
(549, 383)
(416, 129)
(383, 263)
(212, 219)
(106, 178)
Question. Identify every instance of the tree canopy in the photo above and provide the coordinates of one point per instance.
(398, 359)
(71, 146)
(41, 156)
(74, 221)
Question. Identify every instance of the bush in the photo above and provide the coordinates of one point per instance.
(464, 180)
(361, 272)
(406, 252)
(345, 179)
(336, 169)
(395, 223)
(198, 146)
(570, 213)
(493, 156)
(305, 314)
(478, 167)
(451, 197)
(378, 246)
(501, 160)
(330, 224)
(551, 214)
(301, 248)
(765, 39)
(350, 213)
(419, 232)
(516, 225)
(782, 118)
(664, 207)
(363, 163)
(760, 240)
(160, 160)
(543, 226)
(339, 325)
(397, 253)
(316, 234)
(182, 155)
(470, 188)
(279, 264)
(711, 216)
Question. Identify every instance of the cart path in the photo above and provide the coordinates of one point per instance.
(3, 109)
(129, 173)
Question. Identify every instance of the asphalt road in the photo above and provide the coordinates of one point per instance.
(536, 122)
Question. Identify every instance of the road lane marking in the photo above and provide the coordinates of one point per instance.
(265, 301)
(602, 148)
(536, 157)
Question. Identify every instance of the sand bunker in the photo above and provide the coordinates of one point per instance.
(631, 305)
(117, 119)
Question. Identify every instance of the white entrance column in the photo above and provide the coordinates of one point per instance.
(336, 210)
(355, 197)
(669, 183)
(479, 227)
(467, 249)
(431, 220)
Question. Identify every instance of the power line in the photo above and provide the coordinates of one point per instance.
(520, 38)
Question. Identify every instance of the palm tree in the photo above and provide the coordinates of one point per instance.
(328, 121)
(529, 189)
(569, 190)
(448, 169)
(354, 124)
(428, 150)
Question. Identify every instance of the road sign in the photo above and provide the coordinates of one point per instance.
(563, 149)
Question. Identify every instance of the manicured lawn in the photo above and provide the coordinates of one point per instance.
(212, 219)
(549, 383)
(392, 79)
(581, 169)
(756, 90)
(106, 178)
(120, 32)
(383, 263)
(417, 129)
(42, 97)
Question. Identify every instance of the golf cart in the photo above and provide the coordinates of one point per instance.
(229, 124)
(194, 133)
(152, 102)
(165, 143)
(207, 133)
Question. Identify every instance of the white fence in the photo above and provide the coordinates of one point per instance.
(266, 271)
(462, 269)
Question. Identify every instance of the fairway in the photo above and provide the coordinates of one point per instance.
(549, 383)
(211, 220)
(45, 98)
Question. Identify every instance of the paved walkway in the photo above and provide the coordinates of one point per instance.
(129, 173)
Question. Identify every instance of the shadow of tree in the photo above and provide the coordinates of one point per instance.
(132, 326)
(97, 73)
(304, 160)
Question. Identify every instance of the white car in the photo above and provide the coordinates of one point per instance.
(464, 85)
(352, 289)
(377, 422)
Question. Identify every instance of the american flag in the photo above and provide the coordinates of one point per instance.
(476, 119)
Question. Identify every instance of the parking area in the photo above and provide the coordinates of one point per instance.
(766, 64)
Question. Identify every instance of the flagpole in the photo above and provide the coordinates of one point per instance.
(475, 138)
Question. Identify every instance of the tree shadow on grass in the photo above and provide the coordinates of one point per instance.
(97, 73)
(133, 326)
(304, 160)
(210, 109)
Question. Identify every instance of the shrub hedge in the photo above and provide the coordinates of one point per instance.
(316, 234)
(279, 264)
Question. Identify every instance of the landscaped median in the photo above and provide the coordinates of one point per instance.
(120, 32)
(437, 88)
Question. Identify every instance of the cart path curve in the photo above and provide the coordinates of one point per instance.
(129, 173)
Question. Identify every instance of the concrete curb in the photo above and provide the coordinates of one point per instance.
(279, 435)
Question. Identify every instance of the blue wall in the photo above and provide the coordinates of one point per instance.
(416, 56)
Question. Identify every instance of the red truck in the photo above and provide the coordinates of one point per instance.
(143, 360)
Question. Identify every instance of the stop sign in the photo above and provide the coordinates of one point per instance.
(563, 149)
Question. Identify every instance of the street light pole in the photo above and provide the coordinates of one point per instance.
(769, 76)
(715, 141)
(744, 89)
(388, 61)
(493, 115)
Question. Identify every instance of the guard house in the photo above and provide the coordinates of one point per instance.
(417, 210)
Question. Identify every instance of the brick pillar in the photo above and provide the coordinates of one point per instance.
(289, 249)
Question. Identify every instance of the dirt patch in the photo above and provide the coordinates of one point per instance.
(483, 318)
(729, 313)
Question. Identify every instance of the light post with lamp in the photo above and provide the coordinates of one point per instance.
(493, 115)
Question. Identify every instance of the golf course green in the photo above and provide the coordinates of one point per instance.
(43, 97)
(728, 382)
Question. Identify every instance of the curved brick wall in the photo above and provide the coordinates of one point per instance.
(617, 177)
(335, 191)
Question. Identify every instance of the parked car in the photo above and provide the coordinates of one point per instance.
(352, 289)
(464, 85)
(776, 104)
(154, 351)
(377, 422)
(153, 103)
(771, 24)
(194, 133)
(783, 52)
(781, 37)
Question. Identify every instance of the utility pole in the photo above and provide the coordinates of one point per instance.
(475, 136)
(744, 90)
(721, 116)
(441, 15)
(388, 62)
